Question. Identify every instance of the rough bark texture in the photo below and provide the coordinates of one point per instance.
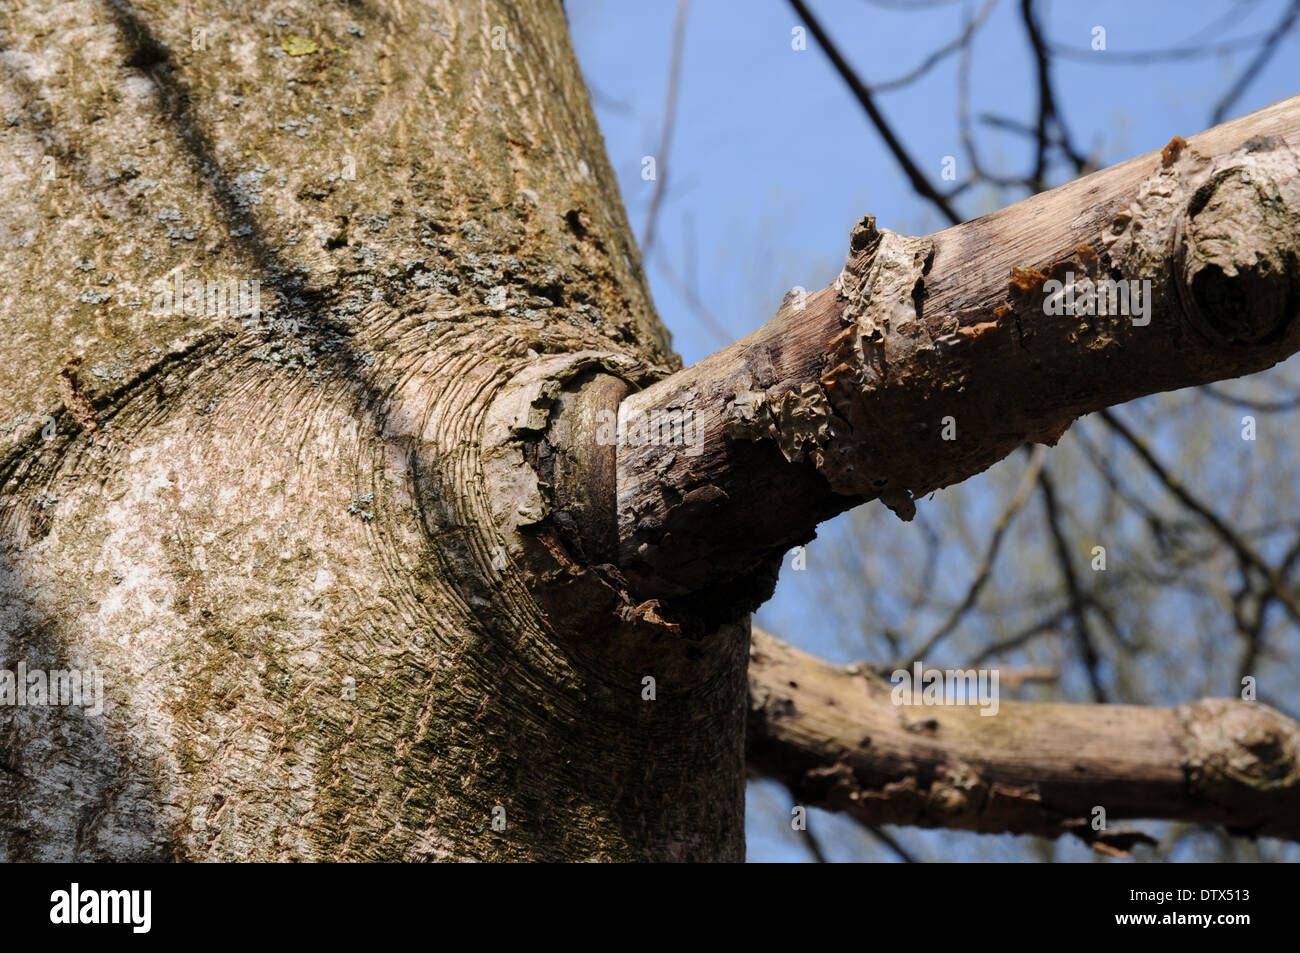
(836, 738)
(237, 521)
(929, 359)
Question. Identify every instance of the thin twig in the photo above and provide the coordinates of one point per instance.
(1048, 115)
(961, 41)
(693, 301)
(1261, 406)
(1078, 602)
(666, 133)
(1151, 57)
(1265, 53)
(990, 556)
(914, 175)
(810, 841)
(1042, 627)
(883, 836)
(1244, 552)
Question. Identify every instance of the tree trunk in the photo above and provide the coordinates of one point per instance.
(296, 543)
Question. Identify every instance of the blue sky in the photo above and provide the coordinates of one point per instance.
(772, 161)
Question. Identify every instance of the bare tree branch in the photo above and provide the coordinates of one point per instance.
(1248, 556)
(712, 323)
(1257, 64)
(990, 556)
(811, 843)
(1152, 57)
(666, 133)
(892, 843)
(961, 41)
(1048, 115)
(1044, 626)
(837, 740)
(1260, 406)
(1078, 604)
(922, 364)
(914, 175)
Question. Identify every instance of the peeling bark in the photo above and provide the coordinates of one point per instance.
(929, 359)
(836, 739)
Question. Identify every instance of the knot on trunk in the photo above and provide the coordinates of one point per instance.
(1238, 275)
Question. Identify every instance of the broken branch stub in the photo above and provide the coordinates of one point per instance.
(929, 359)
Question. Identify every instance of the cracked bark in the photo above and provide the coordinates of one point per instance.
(843, 396)
(834, 736)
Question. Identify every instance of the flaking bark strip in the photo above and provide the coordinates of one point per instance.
(880, 287)
(551, 480)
